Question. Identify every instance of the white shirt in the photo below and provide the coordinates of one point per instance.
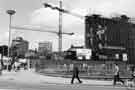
(116, 70)
(134, 73)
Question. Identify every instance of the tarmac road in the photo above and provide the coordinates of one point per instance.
(27, 80)
(6, 85)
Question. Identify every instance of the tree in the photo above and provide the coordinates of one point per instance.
(3, 52)
(124, 18)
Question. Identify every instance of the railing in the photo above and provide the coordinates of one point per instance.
(87, 69)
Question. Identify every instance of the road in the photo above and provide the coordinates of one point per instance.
(26, 80)
(6, 85)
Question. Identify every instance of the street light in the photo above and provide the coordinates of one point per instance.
(10, 12)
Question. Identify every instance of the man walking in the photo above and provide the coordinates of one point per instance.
(133, 73)
(75, 74)
(116, 75)
(1, 69)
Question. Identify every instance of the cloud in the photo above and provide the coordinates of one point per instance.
(76, 37)
(47, 17)
(4, 38)
(77, 40)
(44, 16)
(106, 7)
(1, 10)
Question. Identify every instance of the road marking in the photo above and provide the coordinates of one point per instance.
(98, 86)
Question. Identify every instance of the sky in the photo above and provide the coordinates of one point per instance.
(33, 13)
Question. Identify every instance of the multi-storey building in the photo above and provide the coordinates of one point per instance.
(111, 38)
(19, 47)
(44, 48)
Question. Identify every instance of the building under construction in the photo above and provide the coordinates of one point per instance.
(110, 38)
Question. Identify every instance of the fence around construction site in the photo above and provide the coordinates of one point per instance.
(89, 69)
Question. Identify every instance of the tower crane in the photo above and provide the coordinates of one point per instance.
(59, 33)
(91, 35)
(46, 5)
(38, 30)
(61, 10)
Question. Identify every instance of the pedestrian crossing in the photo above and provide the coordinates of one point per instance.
(102, 87)
(96, 86)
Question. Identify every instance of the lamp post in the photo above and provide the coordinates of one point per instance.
(10, 12)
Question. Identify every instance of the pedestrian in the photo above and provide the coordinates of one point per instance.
(37, 67)
(133, 73)
(75, 74)
(116, 75)
(9, 66)
(1, 69)
(17, 66)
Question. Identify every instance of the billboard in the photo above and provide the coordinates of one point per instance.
(84, 54)
(113, 32)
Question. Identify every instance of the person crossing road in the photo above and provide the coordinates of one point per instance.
(75, 74)
(116, 75)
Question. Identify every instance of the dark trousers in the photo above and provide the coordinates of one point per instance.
(0, 71)
(77, 77)
(117, 79)
(9, 68)
(133, 78)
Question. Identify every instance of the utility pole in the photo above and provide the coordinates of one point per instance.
(60, 28)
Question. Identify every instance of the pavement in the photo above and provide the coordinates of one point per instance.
(25, 76)
(30, 80)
